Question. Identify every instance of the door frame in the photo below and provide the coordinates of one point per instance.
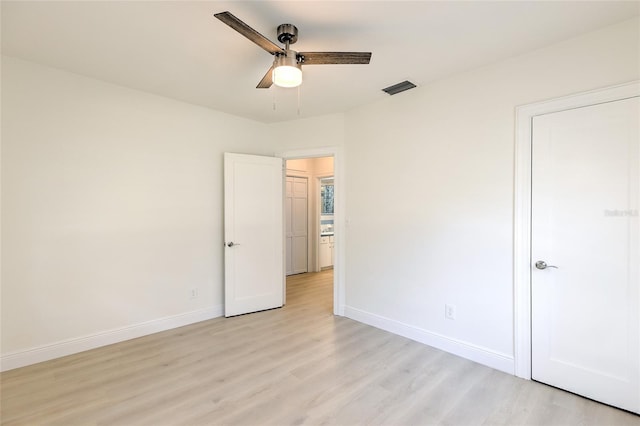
(339, 215)
(522, 206)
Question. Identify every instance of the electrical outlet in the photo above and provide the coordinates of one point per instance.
(450, 312)
(194, 292)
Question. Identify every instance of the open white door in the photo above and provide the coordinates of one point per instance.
(584, 248)
(253, 232)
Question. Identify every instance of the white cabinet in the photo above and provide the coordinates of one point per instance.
(326, 251)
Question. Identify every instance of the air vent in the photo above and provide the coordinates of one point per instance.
(400, 87)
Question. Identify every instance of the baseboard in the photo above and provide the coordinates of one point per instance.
(80, 344)
(493, 359)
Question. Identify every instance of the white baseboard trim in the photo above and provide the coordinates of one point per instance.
(80, 344)
(493, 359)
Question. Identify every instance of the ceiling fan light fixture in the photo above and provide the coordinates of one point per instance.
(287, 72)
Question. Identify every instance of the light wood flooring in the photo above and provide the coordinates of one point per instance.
(289, 366)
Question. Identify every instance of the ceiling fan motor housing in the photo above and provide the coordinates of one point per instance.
(289, 58)
(287, 33)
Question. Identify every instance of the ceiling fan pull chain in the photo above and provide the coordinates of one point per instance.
(274, 99)
(298, 100)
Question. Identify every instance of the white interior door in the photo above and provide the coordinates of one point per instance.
(299, 225)
(585, 191)
(253, 230)
(296, 203)
(288, 223)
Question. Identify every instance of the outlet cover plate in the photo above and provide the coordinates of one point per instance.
(450, 312)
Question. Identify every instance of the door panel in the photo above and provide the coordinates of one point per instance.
(299, 256)
(254, 264)
(296, 223)
(288, 208)
(585, 191)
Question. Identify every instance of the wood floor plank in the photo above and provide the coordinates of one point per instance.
(294, 365)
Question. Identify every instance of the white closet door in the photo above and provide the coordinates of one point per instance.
(288, 209)
(585, 296)
(297, 209)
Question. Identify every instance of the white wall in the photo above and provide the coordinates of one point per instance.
(437, 227)
(316, 167)
(112, 204)
(314, 132)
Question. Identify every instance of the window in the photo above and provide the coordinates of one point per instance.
(326, 196)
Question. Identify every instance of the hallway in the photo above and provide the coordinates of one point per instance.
(313, 291)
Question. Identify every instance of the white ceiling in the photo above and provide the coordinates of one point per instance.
(179, 50)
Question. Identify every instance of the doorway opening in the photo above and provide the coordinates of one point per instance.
(326, 247)
(311, 222)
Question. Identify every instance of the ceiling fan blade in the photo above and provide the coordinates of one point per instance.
(318, 58)
(267, 80)
(249, 32)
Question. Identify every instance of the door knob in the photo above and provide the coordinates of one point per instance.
(231, 244)
(541, 264)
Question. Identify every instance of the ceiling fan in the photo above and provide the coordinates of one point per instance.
(286, 70)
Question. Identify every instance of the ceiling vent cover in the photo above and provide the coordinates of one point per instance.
(400, 87)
